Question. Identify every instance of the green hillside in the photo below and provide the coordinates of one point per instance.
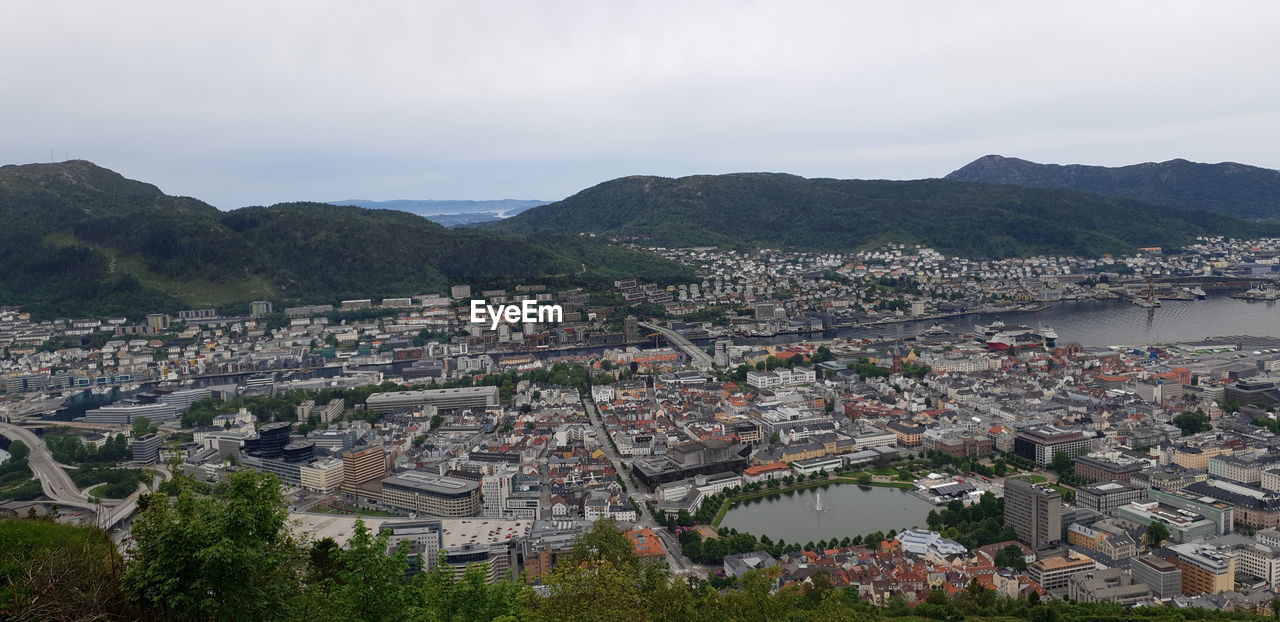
(1227, 187)
(81, 240)
(768, 209)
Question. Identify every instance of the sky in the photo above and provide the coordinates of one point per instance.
(258, 102)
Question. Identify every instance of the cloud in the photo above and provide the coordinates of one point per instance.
(256, 102)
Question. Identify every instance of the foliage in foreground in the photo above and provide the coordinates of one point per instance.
(231, 556)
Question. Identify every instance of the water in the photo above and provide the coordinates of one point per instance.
(1101, 322)
(851, 510)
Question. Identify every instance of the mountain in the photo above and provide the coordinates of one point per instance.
(83, 240)
(773, 210)
(1227, 188)
(452, 213)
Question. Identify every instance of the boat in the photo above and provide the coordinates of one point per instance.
(937, 329)
(1197, 292)
(1022, 338)
(998, 336)
(1259, 292)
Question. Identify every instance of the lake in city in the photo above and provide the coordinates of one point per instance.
(849, 510)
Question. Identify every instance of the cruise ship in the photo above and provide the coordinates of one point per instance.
(997, 336)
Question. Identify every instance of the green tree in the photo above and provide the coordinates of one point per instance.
(141, 427)
(1062, 463)
(1011, 557)
(229, 556)
(1157, 533)
(372, 584)
(1193, 422)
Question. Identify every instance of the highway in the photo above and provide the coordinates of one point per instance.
(54, 480)
(697, 356)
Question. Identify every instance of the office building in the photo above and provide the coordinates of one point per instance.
(1159, 574)
(1105, 497)
(690, 459)
(443, 399)
(1115, 465)
(1053, 573)
(146, 449)
(1253, 507)
(363, 470)
(1221, 514)
(322, 476)
(1110, 585)
(431, 494)
(1183, 525)
(1205, 569)
(1040, 444)
(1034, 512)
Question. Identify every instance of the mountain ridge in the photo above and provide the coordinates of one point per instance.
(780, 209)
(1230, 188)
(84, 240)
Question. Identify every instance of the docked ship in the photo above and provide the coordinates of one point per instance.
(1258, 291)
(997, 336)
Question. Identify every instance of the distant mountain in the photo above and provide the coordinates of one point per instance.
(777, 210)
(1226, 188)
(452, 213)
(79, 239)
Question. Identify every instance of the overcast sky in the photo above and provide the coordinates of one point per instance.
(245, 103)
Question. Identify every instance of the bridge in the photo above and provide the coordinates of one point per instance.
(44, 424)
(697, 356)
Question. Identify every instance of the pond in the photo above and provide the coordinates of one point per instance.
(846, 510)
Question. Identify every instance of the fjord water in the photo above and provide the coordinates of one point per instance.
(850, 510)
(1106, 322)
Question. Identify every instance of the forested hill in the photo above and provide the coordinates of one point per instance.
(772, 210)
(79, 239)
(1226, 188)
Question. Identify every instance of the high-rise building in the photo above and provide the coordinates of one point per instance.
(722, 352)
(1034, 512)
(631, 329)
(362, 468)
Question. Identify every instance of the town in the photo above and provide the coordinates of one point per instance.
(1012, 457)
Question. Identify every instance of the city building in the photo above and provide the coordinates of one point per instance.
(1034, 512)
(1054, 573)
(322, 476)
(1105, 497)
(1160, 575)
(1110, 585)
(431, 494)
(443, 399)
(1040, 444)
(146, 449)
(1205, 569)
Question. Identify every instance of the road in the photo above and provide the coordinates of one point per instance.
(697, 356)
(54, 480)
(675, 557)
